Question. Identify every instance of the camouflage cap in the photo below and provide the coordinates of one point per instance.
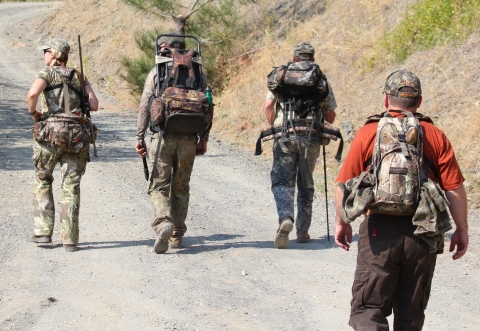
(402, 78)
(57, 44)
(303, 48)
(174, 41)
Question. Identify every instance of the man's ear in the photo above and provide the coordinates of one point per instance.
(385, 100)
(419, 101)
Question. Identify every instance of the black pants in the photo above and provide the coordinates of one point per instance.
(394, 272)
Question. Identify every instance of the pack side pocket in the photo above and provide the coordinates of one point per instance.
(158, 111)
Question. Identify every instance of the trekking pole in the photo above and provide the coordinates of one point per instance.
(326, 194)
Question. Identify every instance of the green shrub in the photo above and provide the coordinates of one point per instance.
(428, 23)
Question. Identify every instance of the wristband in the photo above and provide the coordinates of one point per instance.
(33, 112)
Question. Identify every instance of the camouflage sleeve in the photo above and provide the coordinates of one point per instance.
(271, 96)
(43, 74)
(330, 103)
(143, 119)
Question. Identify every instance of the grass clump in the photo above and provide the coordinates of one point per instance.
(428, 23)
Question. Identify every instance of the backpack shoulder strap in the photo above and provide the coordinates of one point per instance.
(422, 117)
(68, 82)
(374, 118)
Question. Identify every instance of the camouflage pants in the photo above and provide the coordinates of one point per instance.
(293, 163)
(170, 189)
(73, 165)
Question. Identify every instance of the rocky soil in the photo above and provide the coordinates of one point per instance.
(228, 277)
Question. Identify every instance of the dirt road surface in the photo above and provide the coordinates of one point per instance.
(228, 277)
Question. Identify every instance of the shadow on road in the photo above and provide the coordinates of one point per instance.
(200, 244)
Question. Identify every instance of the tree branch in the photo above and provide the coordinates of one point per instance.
(249, 52)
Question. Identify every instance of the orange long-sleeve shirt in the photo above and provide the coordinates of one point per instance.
(436, 147)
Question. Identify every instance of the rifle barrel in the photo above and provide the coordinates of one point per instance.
(84, 103)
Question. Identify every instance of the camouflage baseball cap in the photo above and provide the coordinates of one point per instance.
(303, 48)
(58, 44)
(402, 78)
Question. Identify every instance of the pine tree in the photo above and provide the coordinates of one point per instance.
(216, 23)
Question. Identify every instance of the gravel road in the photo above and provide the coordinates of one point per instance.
(228, 277)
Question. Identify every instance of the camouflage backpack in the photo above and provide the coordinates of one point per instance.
(180, 104)
(302, 84)
(397, 164)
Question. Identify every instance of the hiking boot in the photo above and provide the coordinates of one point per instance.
(176, 243)
(303, 237)
(163, 235)
(281, 239)
(42, 239)
(70, 247)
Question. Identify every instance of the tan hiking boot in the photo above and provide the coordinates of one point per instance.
(303, 237)
(176, 243)
(42, 239)
(163, 235)
(70, 247)
(281, 239)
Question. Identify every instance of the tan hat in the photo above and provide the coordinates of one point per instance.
(58, 44)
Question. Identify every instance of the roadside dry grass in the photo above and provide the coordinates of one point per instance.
(343, 36)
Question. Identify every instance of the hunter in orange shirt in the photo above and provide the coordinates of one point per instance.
(394, 266)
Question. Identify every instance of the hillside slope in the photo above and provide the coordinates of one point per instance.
(343, 33)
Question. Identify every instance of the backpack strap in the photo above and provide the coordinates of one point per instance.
(68, 82)
(377, 117)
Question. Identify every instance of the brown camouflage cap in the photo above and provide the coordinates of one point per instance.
(58, 44)
(402, 78)
(303, 48)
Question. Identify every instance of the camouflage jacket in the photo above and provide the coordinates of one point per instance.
(52, 98)
(431, 216)
(149, 89)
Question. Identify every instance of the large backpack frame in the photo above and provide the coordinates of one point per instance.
(180, 101)
(180, 80)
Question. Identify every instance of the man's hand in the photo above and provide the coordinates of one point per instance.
(37, 116)
(343, 235)
(201, 148)
(458, 208)
(460, 240)
(141, 149)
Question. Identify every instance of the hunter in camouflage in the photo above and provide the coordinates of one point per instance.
(168, 187)
(398, 247)
(294, 161)
(62, 135)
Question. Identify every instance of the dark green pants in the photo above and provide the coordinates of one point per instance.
(394, 272)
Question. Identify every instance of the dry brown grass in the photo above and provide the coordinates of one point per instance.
(107, 29)
(343, 36)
